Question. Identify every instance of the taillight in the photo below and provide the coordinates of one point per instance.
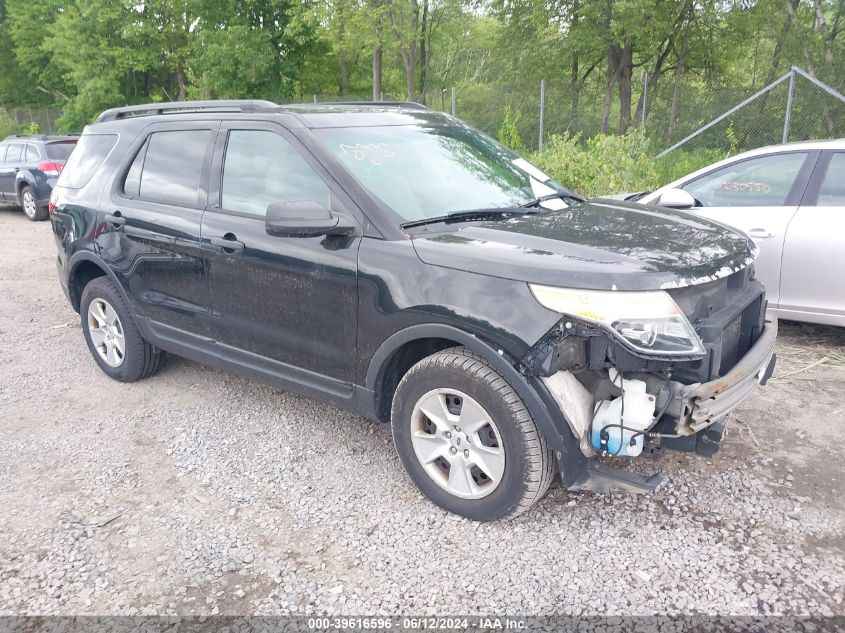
(51, 205)
(50, 168)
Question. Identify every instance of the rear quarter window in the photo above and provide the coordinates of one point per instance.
(85, 159)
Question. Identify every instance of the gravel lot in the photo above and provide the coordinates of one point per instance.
(198, 491)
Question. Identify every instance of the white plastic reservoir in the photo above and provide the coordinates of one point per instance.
(634, 410)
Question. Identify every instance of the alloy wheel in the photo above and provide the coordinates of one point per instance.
(29, 206)
(106, 332)
(457, 443)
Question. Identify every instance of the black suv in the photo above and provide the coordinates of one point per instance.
(29, 168)
(399, 264)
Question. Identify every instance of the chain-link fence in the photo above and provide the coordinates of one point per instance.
(695, 116)
(36, 119)
(793, 108)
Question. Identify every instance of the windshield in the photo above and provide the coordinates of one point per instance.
(430, 170)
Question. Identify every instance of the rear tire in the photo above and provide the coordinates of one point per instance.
(452, 410)
(112, 336)
(30, 206)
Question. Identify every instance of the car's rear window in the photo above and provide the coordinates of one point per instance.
(60, 150)
(90, 152)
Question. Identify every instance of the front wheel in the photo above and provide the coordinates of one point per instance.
(466, 438)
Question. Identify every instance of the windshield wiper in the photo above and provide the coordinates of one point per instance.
(469, 216)
(558, 195)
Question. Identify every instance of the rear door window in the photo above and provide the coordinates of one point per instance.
(168, 168)
(60, 150)
(757, 182)
(85, 160)
(3, 153)
(14, 153)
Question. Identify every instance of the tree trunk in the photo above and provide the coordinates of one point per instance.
(424, 52)
(574, 71)
(344, 75)
(410, 73)
(575, 91)
(377, 53)
(626, 70)
(676, 92)
(180, 80)
(791, 6)
(610, 82)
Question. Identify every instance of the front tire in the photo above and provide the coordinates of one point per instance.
(30, 206)
(112, 336)
(467, 440)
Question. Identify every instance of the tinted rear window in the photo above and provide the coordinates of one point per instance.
(168, 168)
(60, 150)
(85, 160)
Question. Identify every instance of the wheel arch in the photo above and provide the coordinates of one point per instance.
(25, 179)
(85, 267)
(389, 356)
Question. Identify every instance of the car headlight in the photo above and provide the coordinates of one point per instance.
(650, 322)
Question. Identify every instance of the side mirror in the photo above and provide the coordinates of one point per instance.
(304, 218)
(676, 199)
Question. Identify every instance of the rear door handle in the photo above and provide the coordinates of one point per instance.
(115, 218)
(760, 234)
(229, 243)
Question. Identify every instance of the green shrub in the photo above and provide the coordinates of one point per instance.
(605, 165)
(601, 165)
(8, 125)
(680, 163)
(509, 133)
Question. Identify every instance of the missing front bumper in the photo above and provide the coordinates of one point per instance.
(708, 403)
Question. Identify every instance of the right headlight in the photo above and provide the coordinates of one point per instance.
(650, 322)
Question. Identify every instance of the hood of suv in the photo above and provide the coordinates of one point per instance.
(600, 244)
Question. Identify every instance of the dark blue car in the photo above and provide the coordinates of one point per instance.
(29, 168)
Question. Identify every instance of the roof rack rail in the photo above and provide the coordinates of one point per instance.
(409, 105)
(180, 107)
(34, 137)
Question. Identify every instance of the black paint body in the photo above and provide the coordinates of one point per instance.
(330, 317)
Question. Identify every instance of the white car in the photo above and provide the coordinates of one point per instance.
(791, 200)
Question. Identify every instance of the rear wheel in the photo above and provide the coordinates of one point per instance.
(30, 206)
(112, 336)
(466, 438)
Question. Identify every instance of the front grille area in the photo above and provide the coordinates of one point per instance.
(728, 315)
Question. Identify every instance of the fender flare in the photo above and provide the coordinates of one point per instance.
(547, 416)
(24, 176)
(87, 256)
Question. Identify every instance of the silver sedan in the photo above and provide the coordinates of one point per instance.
(791, 200)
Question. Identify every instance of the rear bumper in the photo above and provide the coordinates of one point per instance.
(44, 191)
(711, 402)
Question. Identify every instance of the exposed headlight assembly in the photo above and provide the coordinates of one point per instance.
(650, 322)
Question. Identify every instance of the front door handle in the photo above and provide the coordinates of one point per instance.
(760, 234)
(115, 218)
(229, 243)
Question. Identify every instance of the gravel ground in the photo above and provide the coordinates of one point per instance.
(197, 491)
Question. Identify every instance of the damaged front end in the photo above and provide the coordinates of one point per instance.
(639, 372)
